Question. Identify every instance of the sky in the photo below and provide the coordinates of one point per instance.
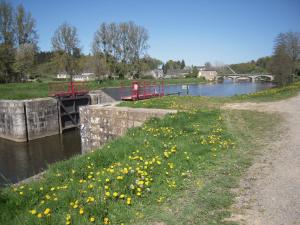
(223, 31)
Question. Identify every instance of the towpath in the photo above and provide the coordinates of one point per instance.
(270, 191)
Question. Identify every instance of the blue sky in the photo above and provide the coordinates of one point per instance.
(228, 31)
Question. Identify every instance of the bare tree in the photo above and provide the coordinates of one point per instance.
(65, 43)
(120, 43)
(282, 66)
(25, 27)
(290, 43)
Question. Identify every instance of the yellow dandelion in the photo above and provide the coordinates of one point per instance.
(81, 211)
(106, 220)
(33, 211)
(47, 211)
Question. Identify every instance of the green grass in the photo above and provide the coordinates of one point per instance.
(189, 162)
(20, 91)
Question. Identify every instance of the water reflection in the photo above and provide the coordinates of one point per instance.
(226, 88)
(22, 160)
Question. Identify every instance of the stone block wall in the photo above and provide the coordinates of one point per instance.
(101, 123)
(42, 117)
(12, 120)
(25, 120)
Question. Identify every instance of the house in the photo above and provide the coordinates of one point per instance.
(84, 77)
(157, 73)
(208, 74)
(176, 73)
(62, 76)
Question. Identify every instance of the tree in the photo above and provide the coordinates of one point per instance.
(123, 43)
(6, 23)
(282, 66)
(6, 62)
(290, 42)
(24, 60)
(25, 27)
(182, 65)
(65, 43)
(208, 66)
(285, 57)
(6, 42)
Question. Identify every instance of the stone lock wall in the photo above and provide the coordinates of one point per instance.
(100, 97)
(26, 120)
(102, 123)
(42, 117)
(12, 120)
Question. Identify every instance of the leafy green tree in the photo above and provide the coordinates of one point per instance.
(24, 60)
(6, 63)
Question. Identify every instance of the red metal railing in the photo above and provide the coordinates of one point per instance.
(67, 89)
(143, 90)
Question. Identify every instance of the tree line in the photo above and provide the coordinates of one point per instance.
(118, 49)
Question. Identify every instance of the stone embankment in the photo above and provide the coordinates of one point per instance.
(100, 123)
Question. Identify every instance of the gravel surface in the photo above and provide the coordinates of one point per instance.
(270, 191)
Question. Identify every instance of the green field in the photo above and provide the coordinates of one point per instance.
(20, 91)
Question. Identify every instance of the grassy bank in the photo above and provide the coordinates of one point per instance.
(37, 90)
(178, 170)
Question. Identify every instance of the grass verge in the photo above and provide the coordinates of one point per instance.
(177, 170)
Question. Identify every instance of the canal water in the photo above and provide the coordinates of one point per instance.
(21, 160)
(226, 88)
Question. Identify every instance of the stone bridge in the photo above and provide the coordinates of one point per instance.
(252, 77)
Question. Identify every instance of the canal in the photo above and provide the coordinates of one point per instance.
(22, 160)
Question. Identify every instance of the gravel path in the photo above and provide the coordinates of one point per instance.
(270, 191)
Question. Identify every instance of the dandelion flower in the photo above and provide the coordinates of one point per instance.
(47, 211)
(106, 220)
(81, 211)
(33, 211)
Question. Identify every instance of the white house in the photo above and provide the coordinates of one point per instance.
(208, 74)
(157, 73)
(62, 76)
(84, 77)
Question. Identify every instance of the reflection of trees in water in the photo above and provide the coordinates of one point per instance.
(22, 160)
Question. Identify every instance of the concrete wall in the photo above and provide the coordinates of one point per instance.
(41, 117)
(102, 123)
(12, 120)
(28, 119)
(100, 97)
